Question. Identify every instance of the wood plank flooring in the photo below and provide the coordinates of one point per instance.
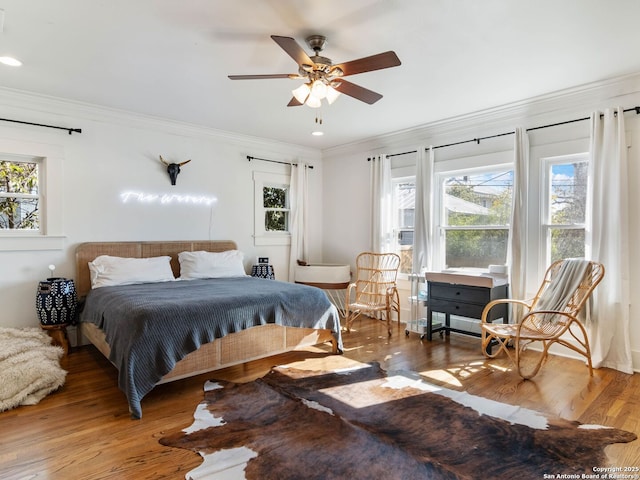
(84, 431)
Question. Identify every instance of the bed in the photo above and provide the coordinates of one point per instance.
(208, 325)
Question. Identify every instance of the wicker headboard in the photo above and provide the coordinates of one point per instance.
(86, 252)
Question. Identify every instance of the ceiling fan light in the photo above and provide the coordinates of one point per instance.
(332, 95)
(313, 102)
(319, 89)
(301, 93)
(335, 72)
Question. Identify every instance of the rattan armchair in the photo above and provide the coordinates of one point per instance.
(548, 327)
(374, 291)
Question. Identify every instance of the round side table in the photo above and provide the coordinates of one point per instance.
(263, 270)
(56, 304)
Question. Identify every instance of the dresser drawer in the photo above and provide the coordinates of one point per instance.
(471, 310)
(459, 293)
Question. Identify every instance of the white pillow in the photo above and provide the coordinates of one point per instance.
(108, 271)
(211, 264)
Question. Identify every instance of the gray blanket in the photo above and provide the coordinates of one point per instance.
(562, 287)
(150, 327)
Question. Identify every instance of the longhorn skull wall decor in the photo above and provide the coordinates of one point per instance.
(173, 169)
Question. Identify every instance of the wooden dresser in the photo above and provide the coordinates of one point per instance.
(465, 301)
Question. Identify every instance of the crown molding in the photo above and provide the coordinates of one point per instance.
(73, 112)
(532, 112)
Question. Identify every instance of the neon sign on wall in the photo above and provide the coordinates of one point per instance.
(167, 198)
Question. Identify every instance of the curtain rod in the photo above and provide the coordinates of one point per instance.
(394, 155)
(249, 157)
(70, 130)
(477, 140)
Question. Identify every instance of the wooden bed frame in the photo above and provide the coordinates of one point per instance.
(251, 344)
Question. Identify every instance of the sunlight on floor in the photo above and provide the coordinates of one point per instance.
(454, 376)
(344, 393)
(442, 376)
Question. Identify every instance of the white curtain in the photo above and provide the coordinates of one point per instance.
(423, 228)
(381, 205)
(607, 225)
(517, 247)
(298, 223)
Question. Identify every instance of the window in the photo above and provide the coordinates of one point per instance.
(565, 199)
(404, 193)
(271, 221)
(475, 210)
(276, 211)
(31, 196)
(19, 196)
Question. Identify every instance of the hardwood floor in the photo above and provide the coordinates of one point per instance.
(83, 431)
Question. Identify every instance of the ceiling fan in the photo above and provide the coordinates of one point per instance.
(323, 79)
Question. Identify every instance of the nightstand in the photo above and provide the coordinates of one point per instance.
(263, 270)
(56, 304)
(58, 334)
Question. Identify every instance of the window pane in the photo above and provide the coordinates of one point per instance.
(478, 199)
(476, 248)
(18, 177)
(567, 243)
(19, 214)
(568, 193)
(404, 197)
(274, 197)
(275, 221)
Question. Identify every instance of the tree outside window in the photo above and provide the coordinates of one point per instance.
(567, 198)
(476, 211)
(19, 196)
(275, 203)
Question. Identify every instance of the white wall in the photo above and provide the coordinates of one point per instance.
(346, 170)
(118, 151)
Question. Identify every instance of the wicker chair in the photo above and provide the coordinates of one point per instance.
(545, 326)
(374, 290)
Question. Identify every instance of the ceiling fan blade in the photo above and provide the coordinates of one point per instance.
(358, 92)
(368, 64)
(258, 77)
(293, 102)
(293, 49)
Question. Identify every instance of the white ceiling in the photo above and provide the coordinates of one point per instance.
(171, 58)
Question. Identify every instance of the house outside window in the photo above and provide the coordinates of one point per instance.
(475, 211)
(564, 209)
(19, 196)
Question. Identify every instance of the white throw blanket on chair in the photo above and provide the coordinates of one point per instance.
(29, 367)
(562, 286)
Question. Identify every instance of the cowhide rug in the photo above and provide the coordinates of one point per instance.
(365, 424)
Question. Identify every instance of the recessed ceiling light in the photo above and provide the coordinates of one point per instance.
(12, 62)
(317, 133)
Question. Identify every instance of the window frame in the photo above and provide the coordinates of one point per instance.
(261, 235)
(50, 236)
(476, 164)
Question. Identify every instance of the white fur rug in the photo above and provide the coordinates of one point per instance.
(29, 367)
